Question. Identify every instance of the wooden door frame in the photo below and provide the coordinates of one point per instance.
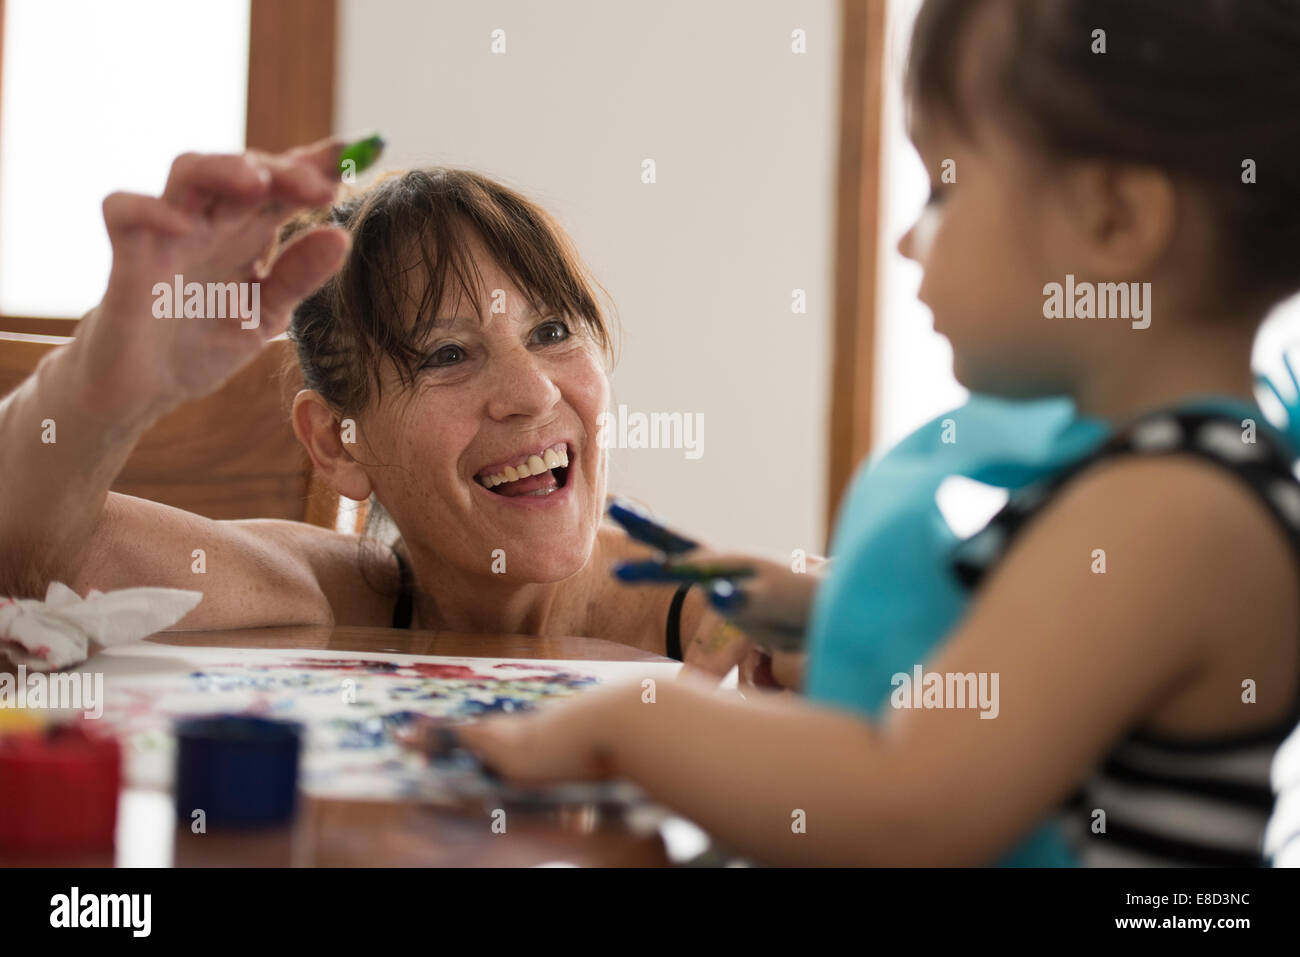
(857, 242)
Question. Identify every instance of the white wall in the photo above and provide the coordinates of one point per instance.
(701, 264)
(914, 380)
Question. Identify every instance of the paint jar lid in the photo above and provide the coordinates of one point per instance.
(58, 790)
(15, 720)
(239, 770)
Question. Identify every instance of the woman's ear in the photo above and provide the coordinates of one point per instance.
(1126, 214)
(330, 443)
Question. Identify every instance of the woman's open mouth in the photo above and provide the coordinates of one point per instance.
(537, 475)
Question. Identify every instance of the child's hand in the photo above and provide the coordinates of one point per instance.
(568, 741)
(217, 221)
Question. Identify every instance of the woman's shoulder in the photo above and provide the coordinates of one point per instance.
(358, 575)
(626, 610)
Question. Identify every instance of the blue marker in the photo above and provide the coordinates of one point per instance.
(649, 532)
(680, 572)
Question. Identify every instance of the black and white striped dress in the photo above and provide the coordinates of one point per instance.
(1172, 802)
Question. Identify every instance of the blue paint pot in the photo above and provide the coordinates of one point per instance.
(241, 771)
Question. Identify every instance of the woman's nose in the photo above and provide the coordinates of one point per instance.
(521, 386)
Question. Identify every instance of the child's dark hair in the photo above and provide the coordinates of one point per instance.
(1193, 87)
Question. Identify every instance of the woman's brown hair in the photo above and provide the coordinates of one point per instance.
(411, 235)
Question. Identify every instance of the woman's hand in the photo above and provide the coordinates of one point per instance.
(771, 607)
(761, 628)
(216, 222)
(773, 670)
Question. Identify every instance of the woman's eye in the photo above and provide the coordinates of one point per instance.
(550, 332)
(447, 356)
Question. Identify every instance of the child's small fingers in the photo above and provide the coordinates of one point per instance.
(502, 745)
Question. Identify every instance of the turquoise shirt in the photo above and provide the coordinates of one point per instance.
(891, 596)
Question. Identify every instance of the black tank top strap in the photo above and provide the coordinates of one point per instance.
(673, 639)
(405, 593)
(1251, 450)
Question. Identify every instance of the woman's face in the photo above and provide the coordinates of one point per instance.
(495, 393)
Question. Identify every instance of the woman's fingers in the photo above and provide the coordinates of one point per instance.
(300, 269)
(787, 669)
(717, 648)
(196, 179)
(756, 669)
(299, 181)
(124, 212)
(218, 184)
(323, 154)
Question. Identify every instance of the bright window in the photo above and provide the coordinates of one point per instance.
(99, 97)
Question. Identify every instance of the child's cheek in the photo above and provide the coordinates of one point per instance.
(945, 264)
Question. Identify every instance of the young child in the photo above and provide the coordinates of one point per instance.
(1104, 673)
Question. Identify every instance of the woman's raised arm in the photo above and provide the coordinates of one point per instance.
(68, 429)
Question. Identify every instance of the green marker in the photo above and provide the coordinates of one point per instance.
(359, 156)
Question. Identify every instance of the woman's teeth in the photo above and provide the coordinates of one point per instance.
(557, 457)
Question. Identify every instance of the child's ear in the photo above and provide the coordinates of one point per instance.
(330, 443)
(1127, 216)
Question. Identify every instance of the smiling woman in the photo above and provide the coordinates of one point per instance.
(464, 338)
(455, 362)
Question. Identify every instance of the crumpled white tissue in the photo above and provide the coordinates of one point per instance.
(57, 632)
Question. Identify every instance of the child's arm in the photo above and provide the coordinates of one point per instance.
(1192, 561)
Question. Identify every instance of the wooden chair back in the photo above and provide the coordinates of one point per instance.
(228, 455)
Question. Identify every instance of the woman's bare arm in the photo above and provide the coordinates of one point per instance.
(96, 396)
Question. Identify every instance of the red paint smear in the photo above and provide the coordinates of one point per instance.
(386, 668)
(444, 671)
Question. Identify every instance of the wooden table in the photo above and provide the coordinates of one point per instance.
(345, 833)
